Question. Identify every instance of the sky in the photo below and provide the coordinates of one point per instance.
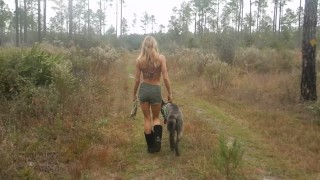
(161, 9)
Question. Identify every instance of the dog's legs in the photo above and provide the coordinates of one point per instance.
(171, 128)
(177, 145)
(171, 139)
(179, 130)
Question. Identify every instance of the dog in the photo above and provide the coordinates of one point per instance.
(174, 119)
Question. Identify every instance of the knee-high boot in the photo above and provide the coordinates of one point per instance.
(157, 137)
(150, 142)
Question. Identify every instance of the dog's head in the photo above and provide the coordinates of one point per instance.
(163, 107)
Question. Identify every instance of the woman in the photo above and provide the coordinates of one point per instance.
(151, 64)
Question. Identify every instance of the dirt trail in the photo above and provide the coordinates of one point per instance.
(204, 123)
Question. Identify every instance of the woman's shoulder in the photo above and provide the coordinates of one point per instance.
(162, 57)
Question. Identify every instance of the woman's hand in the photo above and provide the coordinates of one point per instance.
(170, 98)
(134, 98)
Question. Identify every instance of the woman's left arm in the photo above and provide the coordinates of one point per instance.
(137, 81)
(165, 76)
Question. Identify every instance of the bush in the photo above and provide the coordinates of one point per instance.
(219, 74)
(266, 60)
(33, 84)
(225, 45)
(102, 57)
(315, 109)
(31, 68)
(190, 62)
(228, 156)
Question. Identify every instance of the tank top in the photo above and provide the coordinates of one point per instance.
(149, 72)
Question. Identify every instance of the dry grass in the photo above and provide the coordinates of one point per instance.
(93, 138)
(65, 139)
(268, 101)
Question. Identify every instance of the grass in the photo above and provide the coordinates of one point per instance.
(270, 138)
(99, 141)
(207, 117)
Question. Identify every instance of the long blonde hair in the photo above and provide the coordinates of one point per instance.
(149, 52)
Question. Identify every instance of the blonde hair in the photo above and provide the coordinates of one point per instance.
(149, 52)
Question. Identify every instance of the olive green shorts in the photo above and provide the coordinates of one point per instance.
(150, 93)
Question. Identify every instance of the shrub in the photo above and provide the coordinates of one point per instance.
(225, 45)
(228, 156)
(33, 84)
(31, 68)
(101, 58)
(190, 62)
(315, 109)
(219, 74)
(266, 60)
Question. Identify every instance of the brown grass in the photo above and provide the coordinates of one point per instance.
(93, 138)
(269, 104)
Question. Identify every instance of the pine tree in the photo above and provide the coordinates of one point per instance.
(309, 43)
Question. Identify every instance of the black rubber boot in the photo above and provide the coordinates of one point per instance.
(157, 137)
(150, 142)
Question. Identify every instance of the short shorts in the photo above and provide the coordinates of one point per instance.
(150, 93)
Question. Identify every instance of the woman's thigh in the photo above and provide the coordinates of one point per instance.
(145, 107)
(155, 109)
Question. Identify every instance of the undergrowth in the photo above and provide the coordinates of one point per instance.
(52, 101)
(228, 157)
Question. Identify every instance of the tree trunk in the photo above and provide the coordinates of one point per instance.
(44, 18)
(309, 78)
(17, 23)
(39, 21)
(240, 15)
(21, 23)
(275, 15)
(195, 24)
(100, 19)
(121, 18)
(250, 20)
(25, 24)
(299, 25)
(70, 19)
(218, 16)
(280, 14)
(117, 18)
(88, 17)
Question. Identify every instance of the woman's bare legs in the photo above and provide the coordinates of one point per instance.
(153, 139)
(145, 107)
(157, 128)
(155, 109)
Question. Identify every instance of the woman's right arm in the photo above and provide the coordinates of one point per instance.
(165, 76)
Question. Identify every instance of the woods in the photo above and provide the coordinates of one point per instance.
(197, 17)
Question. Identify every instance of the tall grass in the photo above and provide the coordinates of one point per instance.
(255, 76)
(262, 88)
(52, 102)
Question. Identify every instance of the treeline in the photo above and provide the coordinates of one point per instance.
(77, 21)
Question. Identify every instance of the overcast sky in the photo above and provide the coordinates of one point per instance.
(161, 9)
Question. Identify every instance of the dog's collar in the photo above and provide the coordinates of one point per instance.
(164, 111)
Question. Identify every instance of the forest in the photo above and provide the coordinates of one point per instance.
(74, 20)
(243, 72)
